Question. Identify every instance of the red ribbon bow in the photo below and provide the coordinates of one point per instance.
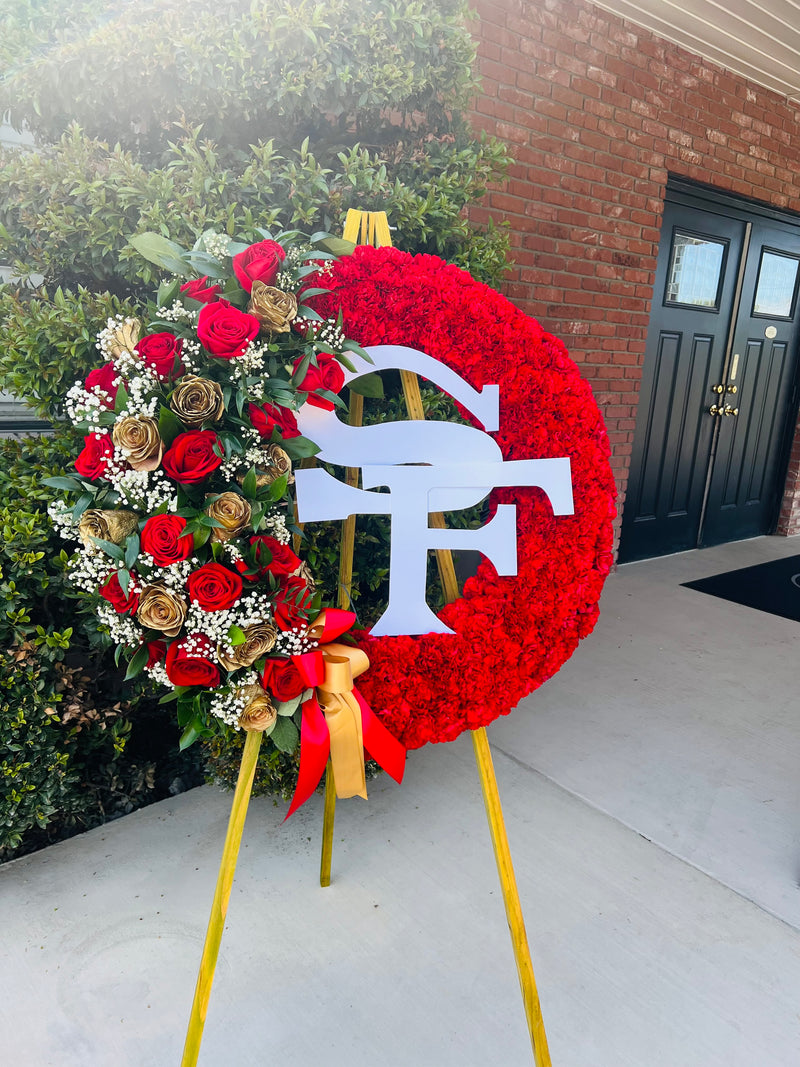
(330, 669)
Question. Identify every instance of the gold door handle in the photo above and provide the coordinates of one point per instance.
(728, 410)
(720, 389)
(732, 389)
(714, 410)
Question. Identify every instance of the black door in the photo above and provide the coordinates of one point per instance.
(717, 389)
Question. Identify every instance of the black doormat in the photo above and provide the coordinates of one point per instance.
(772, 587)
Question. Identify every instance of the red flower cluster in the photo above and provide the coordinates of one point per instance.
(512, 633)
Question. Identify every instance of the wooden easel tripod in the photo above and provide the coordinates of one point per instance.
(370, 228)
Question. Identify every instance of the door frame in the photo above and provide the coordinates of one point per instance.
(699, 196)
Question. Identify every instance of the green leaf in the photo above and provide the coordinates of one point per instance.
(121, 399)
(85, 501)
(368, 385)
(190, 734)
(285, 735)
(110, 549)
(168, 292)
(131, 550)
(63, 483)
(236, 636)
(158, 250)
(250, 484)
(337, 245)
(299, 448)
(124, 579)
(277, 489)
(289, 707)
(169, 425)
(137, 662)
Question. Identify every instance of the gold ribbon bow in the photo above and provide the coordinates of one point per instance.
(343, 664)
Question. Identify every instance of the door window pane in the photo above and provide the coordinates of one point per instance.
(695, 271)
(775, 289)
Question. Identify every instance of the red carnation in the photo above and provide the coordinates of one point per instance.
(293, 604)
(94, 459)
(214, 587)
(102, 379)
(224, 331)
(192, 456)
(327, 375)
(258, 263)
(282, 679)
(164, 540)
(199, 290)
(123, 603)
(269, 417)
(189, 662)
(161, 351)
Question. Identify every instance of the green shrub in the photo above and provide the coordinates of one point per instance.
(155, 116)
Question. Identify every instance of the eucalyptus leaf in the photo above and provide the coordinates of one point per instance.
(62, 482)
(159, 250)
(110, 549)
(289, 707)
(169, 425)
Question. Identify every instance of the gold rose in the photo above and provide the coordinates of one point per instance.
(259, 640)
(259, 712)
(233, 511)
(159, 609)
(273, 308)
(111, 526)
(124, 338)
(139, 439)
(197, 400)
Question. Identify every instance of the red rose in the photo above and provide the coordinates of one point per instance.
(214, 587)
(95, 457)
(293, 605)
(269, 417)
(156, 650)
(198, 290)
(122, 603)
(161, 351)
(189, 662)
(270, 557)
(224, 331)
(282, 679)
(258, 263)
(163, 539)
(327, 375)
(192, 457)
(102, 379)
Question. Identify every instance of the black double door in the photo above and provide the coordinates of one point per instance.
(717, 401)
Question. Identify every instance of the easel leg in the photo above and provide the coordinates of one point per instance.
(516, 923)
(219, 909)
(328, 816)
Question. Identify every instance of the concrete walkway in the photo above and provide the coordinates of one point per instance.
(651, 796)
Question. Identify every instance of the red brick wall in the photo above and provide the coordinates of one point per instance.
(597, 112)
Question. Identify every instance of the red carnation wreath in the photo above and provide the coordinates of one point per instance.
(511, 633)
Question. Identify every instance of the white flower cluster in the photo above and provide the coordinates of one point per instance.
(142, 398)
(179, 313)
(294, 642)
(173, 577)
(217, 245)
(251, 362)
(248, 610)
(295, 257)
(89, 569)
(83, 406)
(228, 704)
(274, 524)
(60, 515)
(158, 674)
(143, 490)
(121, 628)
(328, 333)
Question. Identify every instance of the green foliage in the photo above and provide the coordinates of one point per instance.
(154, 116)
(245, 69)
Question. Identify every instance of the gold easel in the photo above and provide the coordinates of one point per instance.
(367, 227)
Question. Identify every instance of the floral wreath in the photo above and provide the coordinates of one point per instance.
(511, 633)
(182, 499)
